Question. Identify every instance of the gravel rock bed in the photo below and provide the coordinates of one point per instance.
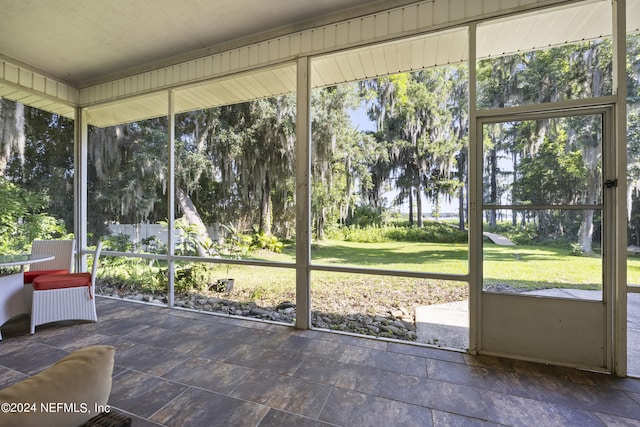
(389, 322)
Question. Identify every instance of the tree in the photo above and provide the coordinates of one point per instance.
(421, 133)
(37, 147)
(127, 174)
(575, 71)
(12, 133)
(330, 163)
(23, 218)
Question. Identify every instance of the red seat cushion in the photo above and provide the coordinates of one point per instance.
(30, 275)
(61, 281)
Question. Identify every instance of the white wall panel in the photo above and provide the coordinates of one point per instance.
(395, 21)
(425, 14)
(329, 34)
(509, 4)
(36, 90)
(39, 83)
(440, 12)
(342, 34)
(409, 18)
(10, 72)
(25, 78)
(457, 10)
(355, 31)
(473, 8)
(283, 45)
(367, 30)
(234, 58)
(490, 6)
(380, 25)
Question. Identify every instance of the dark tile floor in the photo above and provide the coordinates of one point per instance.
(180, 368)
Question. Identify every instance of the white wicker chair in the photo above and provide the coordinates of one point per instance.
(63, 250)
(65, 296)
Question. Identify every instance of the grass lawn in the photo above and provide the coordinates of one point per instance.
(519, 268)
(513, 268)
(522, 267)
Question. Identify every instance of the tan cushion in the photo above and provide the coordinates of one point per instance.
(81, 380)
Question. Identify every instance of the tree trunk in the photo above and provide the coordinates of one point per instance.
(12, 133)
(410, 207)
(265, 206)
(586, 231)
(461, 198)
(193, 217)
(591, 153)
(419, 204)
(320, 224)
(514, 217)
(493, 168)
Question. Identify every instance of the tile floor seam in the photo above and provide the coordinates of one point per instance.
(203, 388)
(482, 420)
(164, 406)
(635, 399)
(437, 408)
(332, 385)
(324, 404)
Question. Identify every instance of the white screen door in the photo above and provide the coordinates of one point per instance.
(546, 243)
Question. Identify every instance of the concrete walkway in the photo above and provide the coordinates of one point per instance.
(447, 325)
(498, 239)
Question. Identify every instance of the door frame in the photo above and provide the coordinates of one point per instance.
(488, 310)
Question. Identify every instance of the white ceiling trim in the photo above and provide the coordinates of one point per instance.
(263, 69)
(20, 84)
(396, 23)
(545, 28)
(586, 21)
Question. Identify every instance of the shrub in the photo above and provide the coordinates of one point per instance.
(576, 249)
(120, 242)
(262, 240)
(432, 231)
(195, 277)
(133, 273)
(354, 233)
(366, 216)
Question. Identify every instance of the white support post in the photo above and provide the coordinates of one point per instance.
(620, 196)
(475, 204)
(81, 149)
(171, 202)
(303, 194)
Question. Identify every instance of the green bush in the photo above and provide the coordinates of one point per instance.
(366, 216)
(133, 273)
(354, 233)
(195, 277)
(431, 231)
(261, 240)
(23, 218)
(118, 243)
